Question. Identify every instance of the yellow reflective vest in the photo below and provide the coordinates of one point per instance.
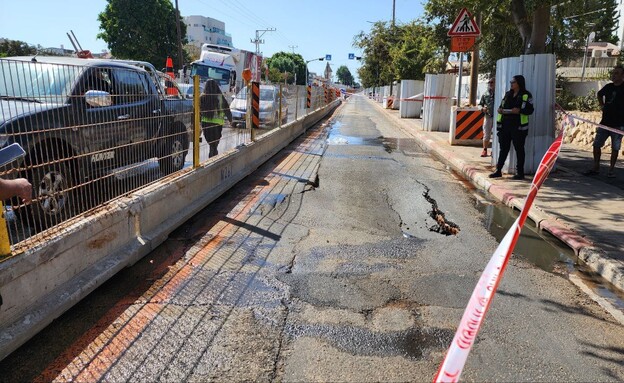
(219, 117)
(524, 118)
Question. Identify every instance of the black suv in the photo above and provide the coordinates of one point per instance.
(78, 120)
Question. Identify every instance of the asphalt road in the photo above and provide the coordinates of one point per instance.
(326, 265)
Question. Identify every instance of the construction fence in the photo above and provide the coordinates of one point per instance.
(95, 132)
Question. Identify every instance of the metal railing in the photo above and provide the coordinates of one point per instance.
(96, 132)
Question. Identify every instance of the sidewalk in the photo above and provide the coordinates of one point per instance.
(584, 212)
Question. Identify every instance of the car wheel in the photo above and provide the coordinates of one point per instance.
(174, 153)
(53, 201)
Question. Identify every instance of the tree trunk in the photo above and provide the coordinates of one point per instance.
(541, 24)
(521, 19)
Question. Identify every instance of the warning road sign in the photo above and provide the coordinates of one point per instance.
(462, 43)
(464, 25)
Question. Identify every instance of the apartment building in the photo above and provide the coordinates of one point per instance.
(201, 29)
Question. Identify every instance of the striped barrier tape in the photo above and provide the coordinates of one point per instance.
(575, 117)
(481, 298)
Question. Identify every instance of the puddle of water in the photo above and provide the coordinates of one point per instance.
(539, 248)
(409, 146)
(546, 251)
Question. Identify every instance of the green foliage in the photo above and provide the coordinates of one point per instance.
(9, 48)
(400, 52)
(568, 101)
(141, 30)
(344, 75)
(290, 63)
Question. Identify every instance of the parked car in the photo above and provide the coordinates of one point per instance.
(186, 90)
(80, 119)
(269, 107)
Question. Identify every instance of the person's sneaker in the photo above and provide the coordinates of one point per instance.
(496, 174)
(484, 153)
(518, 177)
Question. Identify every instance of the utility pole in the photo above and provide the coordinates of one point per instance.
(392, 28)
(258, 41)
(474, 68)
(180, 56)
(293, 47)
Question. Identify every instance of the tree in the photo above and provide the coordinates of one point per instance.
(398, 52)
(376, 69)
(344, 75)
(414, 51)
(9, 48)
(539, 26)
(291, 63)
(141, 30)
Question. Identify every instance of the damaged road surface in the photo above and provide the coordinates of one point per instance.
(348, 257)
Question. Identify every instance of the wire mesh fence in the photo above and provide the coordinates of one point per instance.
(97, 130)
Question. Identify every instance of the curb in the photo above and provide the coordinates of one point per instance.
(595, 258)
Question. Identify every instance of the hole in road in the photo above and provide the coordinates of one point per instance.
(442, 225)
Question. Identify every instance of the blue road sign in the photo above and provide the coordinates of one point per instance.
(328, 57)
(351, 56)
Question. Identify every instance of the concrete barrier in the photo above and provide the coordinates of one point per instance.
(40, 284)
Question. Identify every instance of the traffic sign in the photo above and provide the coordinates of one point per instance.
(328, 57)
(462, 43)
(464, 25)
(351, 56)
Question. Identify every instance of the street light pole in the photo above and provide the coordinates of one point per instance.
(589, 39)
(306, 67)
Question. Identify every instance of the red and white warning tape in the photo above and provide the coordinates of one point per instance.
(484, 292)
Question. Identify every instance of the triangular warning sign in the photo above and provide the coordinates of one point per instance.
(464, 25)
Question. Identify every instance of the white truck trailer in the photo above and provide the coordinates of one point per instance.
(226, 65)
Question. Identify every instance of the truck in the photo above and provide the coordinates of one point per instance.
(225, 65)
(82, 120)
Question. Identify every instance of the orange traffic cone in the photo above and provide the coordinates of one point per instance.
(170, 89)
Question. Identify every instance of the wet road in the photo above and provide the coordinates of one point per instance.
(326, 265)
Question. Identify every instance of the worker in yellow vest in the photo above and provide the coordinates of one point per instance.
(214, 109)
(512, 125)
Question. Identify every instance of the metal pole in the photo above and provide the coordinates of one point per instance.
(180, 56)
(474, 69)
(585, 58)
(196, 122)
(461, 70)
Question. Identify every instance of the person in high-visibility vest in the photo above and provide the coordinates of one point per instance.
(214, 110)
(512, 125)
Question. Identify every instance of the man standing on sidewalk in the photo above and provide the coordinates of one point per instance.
(487, 107)
(611, 100)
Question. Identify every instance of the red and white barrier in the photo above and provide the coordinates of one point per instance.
(482, 296)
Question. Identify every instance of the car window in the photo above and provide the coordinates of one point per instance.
(41, 82)
(130, 86)
(267, 94)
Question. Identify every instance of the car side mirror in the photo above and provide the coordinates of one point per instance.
(98, 98)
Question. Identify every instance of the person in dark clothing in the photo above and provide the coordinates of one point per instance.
(512, 125)
(611, 100)
(214, 109)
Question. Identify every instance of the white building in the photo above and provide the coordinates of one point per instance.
(200, 30)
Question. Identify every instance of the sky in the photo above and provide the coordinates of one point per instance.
(312, 28)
